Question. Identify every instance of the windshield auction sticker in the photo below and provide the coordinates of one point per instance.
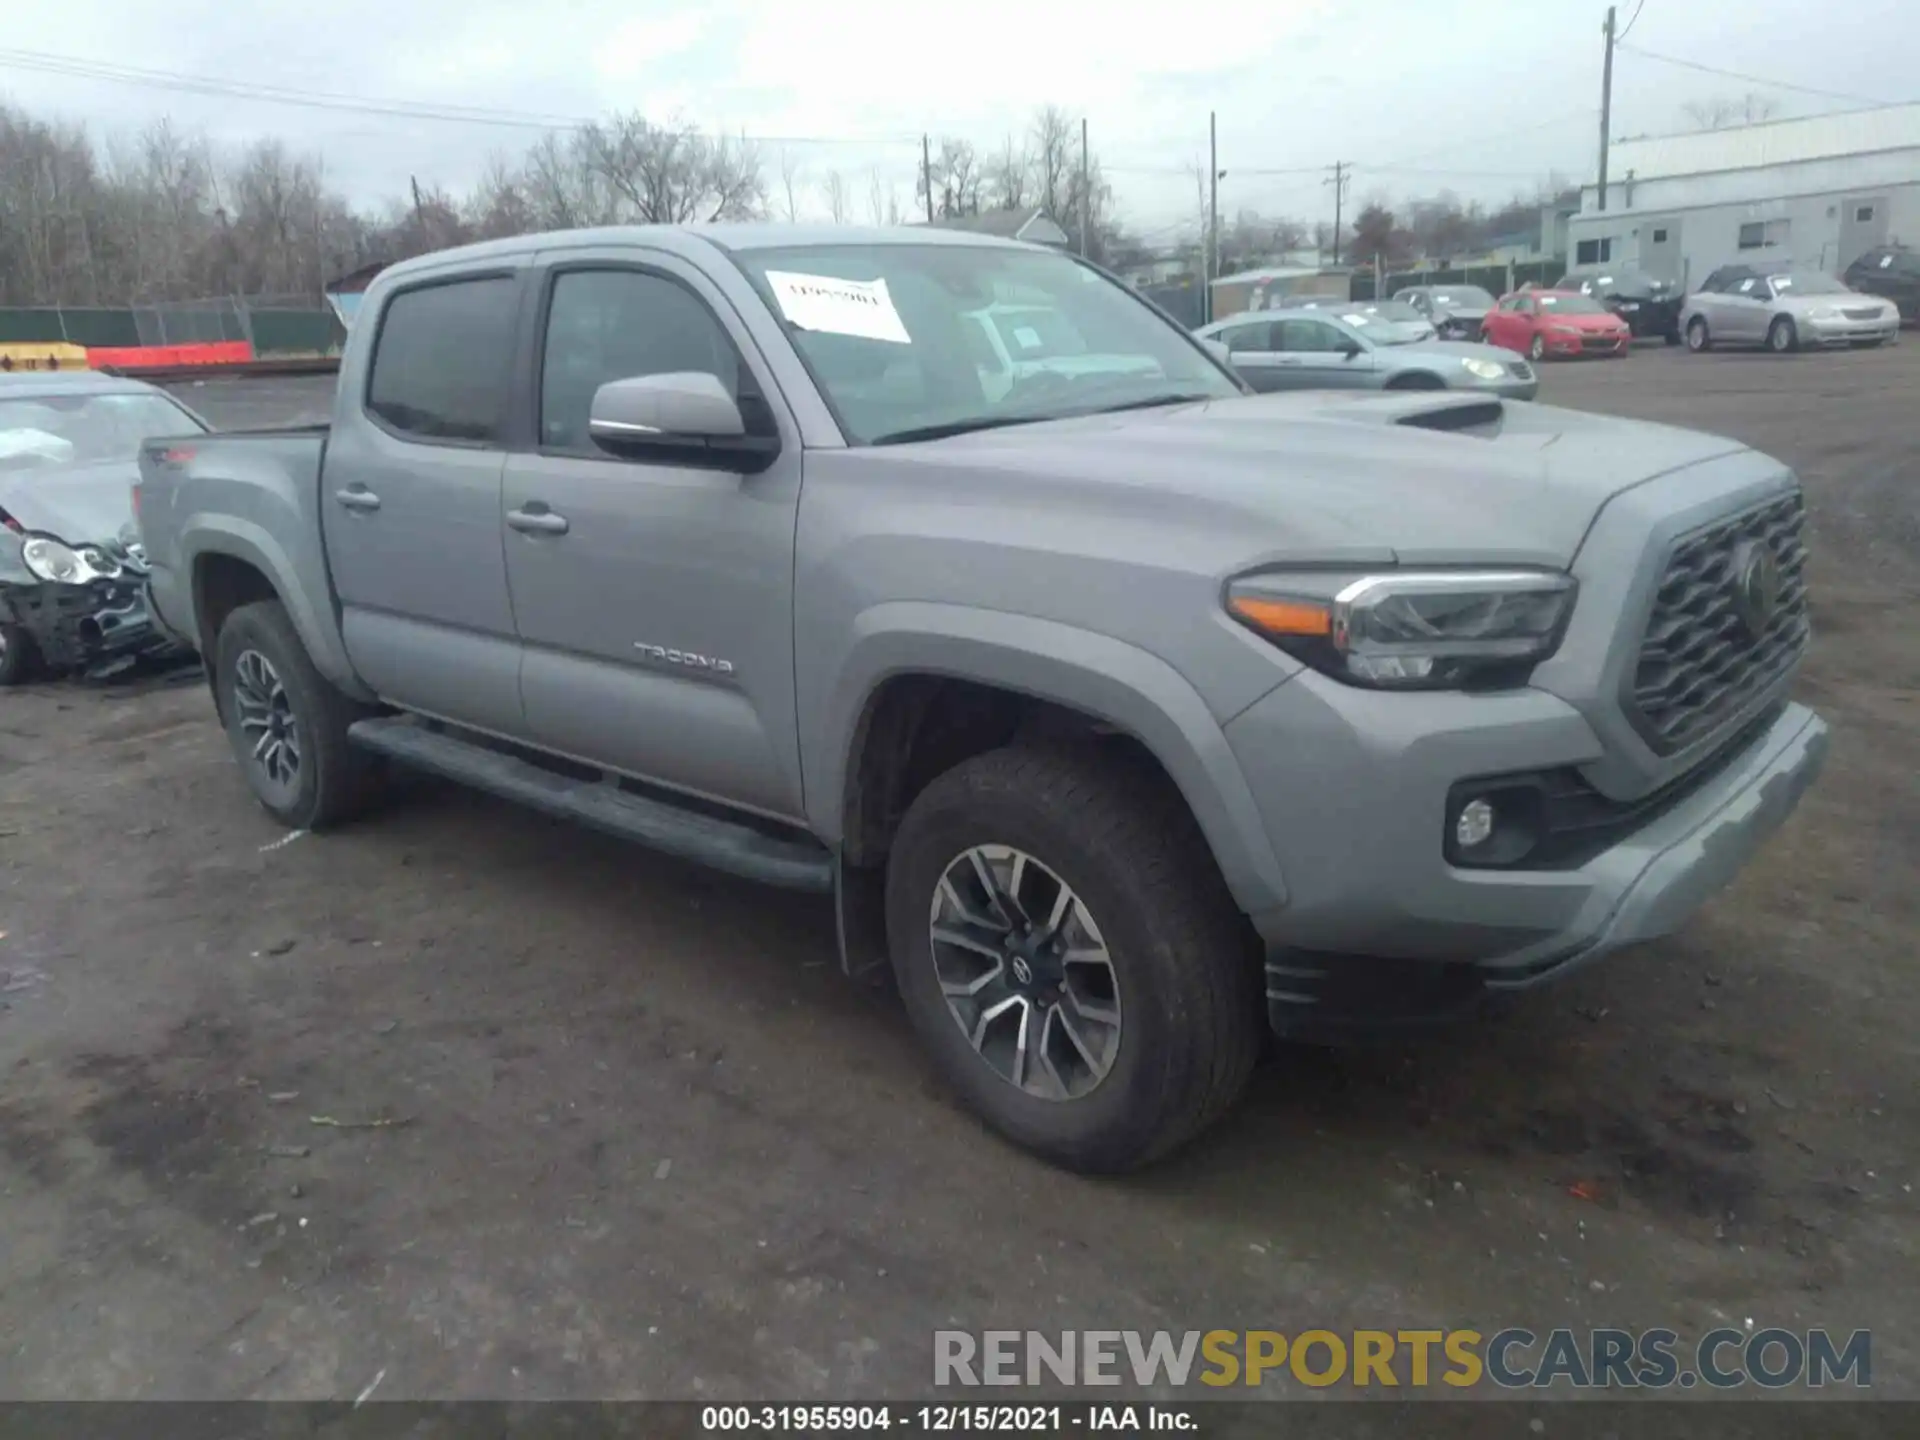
(860, 308)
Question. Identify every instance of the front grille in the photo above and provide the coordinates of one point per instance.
(1861, 312)
(1699, 666)
(1601, 342)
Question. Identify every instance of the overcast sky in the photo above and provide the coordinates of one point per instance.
(1482, 97)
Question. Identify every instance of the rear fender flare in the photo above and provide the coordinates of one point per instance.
(1097, 675)
(317, 626)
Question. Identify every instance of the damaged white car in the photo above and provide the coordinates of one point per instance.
(72, 576)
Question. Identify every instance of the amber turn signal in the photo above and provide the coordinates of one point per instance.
(1282, 617)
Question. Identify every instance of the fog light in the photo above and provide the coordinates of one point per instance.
(1474, 826)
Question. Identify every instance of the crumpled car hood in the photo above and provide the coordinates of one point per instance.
(80, 504)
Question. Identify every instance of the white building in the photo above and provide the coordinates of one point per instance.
(1817, 191)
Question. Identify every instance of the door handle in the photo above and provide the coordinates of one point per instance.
(357, 498)
(536, 519)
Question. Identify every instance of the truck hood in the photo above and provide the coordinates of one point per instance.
(80, 504)
(1322, 476)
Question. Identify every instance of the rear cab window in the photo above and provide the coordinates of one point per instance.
(441, 360)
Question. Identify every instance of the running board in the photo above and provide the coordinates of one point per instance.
(796, 864)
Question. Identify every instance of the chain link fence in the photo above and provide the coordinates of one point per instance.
(272, 324)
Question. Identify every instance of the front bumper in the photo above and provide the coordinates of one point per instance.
(1380, 928)
(1841, 332)
(95, 629)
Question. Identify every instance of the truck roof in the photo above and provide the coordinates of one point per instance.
(691, 239)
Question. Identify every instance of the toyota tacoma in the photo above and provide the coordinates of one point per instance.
(1127, 715)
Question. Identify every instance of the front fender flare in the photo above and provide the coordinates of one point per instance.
(241, 539)
(1095, 674)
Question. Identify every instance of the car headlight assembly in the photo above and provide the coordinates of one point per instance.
(60, 564)
(1825, 312)
(1411, 630)
(1565, 332)
(1485, 369)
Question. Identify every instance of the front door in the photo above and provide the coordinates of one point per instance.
(410, 504)
(1326, 356)
(1742, 313)
(654, 600)
(1863, 225)
(1660, 253)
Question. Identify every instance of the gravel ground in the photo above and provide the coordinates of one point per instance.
(646, 1142)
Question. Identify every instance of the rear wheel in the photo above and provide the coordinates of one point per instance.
(1782, 337)
(19, 659)
(1069, 956)
(1698, 340)
(287, 724)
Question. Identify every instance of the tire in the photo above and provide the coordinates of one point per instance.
(1182, 968)
(1782, 337)
(1698, 340)
(19, 657)
(261, 670)
(1537, 349)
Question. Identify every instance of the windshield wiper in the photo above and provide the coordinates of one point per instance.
(948, 428)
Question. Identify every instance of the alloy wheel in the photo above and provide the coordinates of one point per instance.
(265, 714)
(1025, 972)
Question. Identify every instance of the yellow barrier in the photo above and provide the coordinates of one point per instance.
(44, 356)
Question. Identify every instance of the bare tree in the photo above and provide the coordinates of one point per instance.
(790, 184)
(1007, 178)
(839, 198)
(673, 174)
(955, 177)
(1054, 151)
(1720, 111)
(878, 194)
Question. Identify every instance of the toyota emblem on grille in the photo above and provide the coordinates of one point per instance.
(1756, 587)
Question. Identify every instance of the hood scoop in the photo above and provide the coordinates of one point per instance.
(1476, 415)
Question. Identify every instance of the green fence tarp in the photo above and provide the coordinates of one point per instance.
(275, 332)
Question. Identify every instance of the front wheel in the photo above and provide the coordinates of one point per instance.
(18, 658)
(287, 724)
(1537, 350)
(1782, 337)
(1698, 340)
(1070, 957)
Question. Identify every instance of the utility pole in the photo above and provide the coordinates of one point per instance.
(1606, 106)
(1086, 186)
(1212, 264)
(1342, 173)
(926, 172)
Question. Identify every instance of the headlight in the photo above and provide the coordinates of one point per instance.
(1825, 312)
(1485, 369)
(1565, 332)
(63, 565)
(1417, 630)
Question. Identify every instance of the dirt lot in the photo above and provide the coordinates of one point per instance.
(653, 1145)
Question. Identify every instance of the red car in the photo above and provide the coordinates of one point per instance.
(1555, 323)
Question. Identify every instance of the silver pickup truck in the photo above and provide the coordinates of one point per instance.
(1127, 715)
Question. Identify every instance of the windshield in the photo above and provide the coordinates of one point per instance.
(1807, 282)
(1398, 311)
(1463, 297)
(1384, 329)
(57, 430)
(911, 341)
(1571, 305)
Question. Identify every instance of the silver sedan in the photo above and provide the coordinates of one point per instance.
(1324, 349)
(1783, 310)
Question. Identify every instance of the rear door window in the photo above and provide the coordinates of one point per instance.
(440, 366)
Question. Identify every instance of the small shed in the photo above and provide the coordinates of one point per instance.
(344, 294)
(1032, 224)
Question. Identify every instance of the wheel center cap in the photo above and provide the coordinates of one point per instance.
(1022, 972)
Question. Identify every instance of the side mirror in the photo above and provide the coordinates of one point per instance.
(683, 418)
(1351, 349)
(1218, 350)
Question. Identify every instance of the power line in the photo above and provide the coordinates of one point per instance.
(1750, 79)
(77, 68)
(1629, 25)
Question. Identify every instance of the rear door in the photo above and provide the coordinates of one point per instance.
(654, 599)
(410, 500)
(1251, 344)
